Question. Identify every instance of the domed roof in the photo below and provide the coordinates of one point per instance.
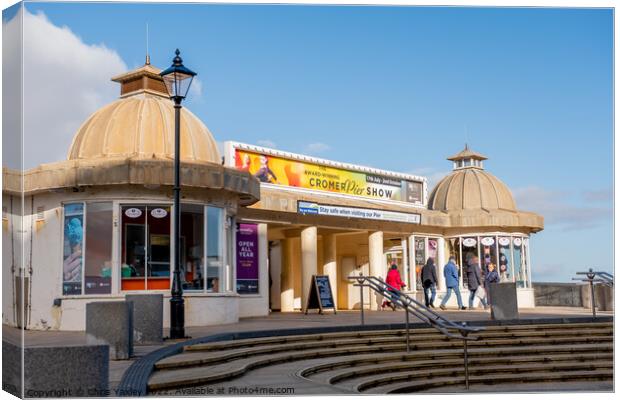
(141, 125)
(470, 187)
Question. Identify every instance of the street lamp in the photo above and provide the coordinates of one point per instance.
(178, 80)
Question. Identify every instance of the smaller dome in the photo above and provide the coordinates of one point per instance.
(470, 187)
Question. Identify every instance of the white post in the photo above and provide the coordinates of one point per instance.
(413, 279)
(308, 261)
(287, 285)
(440, 262)
(377, 263)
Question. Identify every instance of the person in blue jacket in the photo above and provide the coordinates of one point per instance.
(451, 273)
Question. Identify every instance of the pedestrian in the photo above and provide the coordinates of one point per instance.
(393, 279)
(429, 280)
(491, 277)
(450, 272)
(474, 282)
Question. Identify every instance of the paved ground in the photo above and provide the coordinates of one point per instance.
(276, 321)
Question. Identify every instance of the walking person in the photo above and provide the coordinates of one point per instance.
(450, 272)
(429, 281)
(491, 277)
(475, 281)
(393, 279)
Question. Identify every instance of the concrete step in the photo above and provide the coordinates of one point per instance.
(195, 358)
(491, 379)
(575, 351)
(379, 344)
(344, 374)
(492, 330)
(183, 377)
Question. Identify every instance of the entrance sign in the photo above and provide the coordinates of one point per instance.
(292, 170)
(247, 258)
(320, 296)
(308, 208)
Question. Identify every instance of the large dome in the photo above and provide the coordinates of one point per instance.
(470, 187)
(141, 125)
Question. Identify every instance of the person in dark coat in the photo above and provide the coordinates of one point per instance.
(474, 279)
(429, 281)
(491, 277)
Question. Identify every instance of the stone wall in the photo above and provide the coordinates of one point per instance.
(572, 295)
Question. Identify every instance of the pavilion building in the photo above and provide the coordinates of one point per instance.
(256, 224)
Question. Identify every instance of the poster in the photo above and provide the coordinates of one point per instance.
(72, 248)
(247, 258)
(307, 175)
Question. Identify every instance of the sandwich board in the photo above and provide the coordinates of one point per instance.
(320, 296)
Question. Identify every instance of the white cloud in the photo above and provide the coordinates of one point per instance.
(266, 143)
(603, 195)
(65, 80)
(315, 148)
(555, 207)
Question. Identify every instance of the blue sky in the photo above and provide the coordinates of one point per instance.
(401, 88)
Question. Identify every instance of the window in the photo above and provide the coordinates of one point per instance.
(519, 261)
(420, 259)
(87, 248)
(192, 242)
(215, 248)
(98, 263)
(488, 253)
(505, 274)
(146, 247)
(73, 241)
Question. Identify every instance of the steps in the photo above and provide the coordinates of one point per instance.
(376, 362)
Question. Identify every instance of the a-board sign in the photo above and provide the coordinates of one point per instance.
(320, 296)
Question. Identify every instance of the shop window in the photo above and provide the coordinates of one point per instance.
(420, 260)
(519, 261)
(469, 248)
(87, 248)
(192, 247)
(215, 248)
(73, 240)
(526, 260)
(98, 246)
(504, 261)
(146, 247)
(454, 250)
(488, 253)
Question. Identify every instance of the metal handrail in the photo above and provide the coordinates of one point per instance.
(418, 309)
(414, 307)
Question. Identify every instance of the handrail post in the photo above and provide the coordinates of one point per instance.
(407, 324)
(465, 360)
(592, 298)
(361, 301)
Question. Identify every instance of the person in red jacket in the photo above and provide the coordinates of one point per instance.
(393, 279)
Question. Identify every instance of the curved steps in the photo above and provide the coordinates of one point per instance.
(376, 361)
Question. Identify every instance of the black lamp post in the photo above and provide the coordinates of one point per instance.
(178, 80)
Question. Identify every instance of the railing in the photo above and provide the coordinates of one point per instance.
(411, 306)
(593, 277)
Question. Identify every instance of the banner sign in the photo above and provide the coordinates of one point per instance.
(73, 237)
(304, 207)
(247, 258)
(307, 175)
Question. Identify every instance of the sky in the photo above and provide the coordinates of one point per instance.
(396, 88)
